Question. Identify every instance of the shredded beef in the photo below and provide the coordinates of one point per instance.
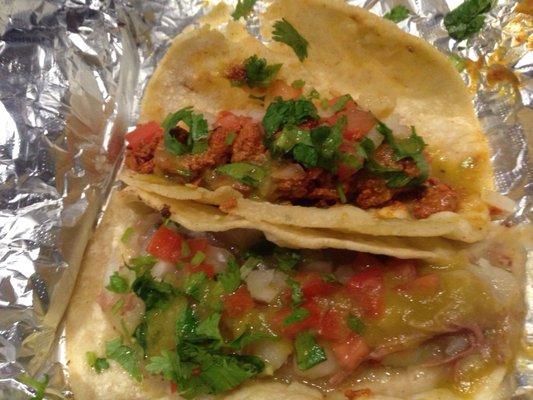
(236, 73)
(435, 198)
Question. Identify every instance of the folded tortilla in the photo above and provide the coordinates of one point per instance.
(384, 69)
(88, 329)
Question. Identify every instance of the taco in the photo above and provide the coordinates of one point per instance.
(341, 122)
(163, 312)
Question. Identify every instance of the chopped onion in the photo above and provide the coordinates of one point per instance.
(273, 352)
(499, 201)
(319, 266)
(343, 273)
(398, 130)
(289, 171)
(161, 268)
(321, 370)
(266, 285)
(217, 257)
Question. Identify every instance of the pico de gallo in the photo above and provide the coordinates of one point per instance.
(306, 150)
(208, 312)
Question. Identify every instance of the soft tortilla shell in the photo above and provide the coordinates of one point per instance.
(383, 68)
(87, 329)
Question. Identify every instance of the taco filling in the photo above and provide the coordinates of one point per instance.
(208, 312)
(304, 151)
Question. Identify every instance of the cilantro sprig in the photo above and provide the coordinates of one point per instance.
(284, 32)
(243, 9)
(259, 73)
(308, 352)
(397, 13)
(467, 19)
(198, 132)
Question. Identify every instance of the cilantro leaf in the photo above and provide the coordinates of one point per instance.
(247, 173)
(117, 283)
(297, 315)
(467, 19)
(195, 284)
(308, 352)
(411, 147)
(330, 146)
(208, 328)
(287, 112)
(186, 325)
(198, 258)
(258, 72)
(97, 363)
(286, 259)
(141, 263)
(243, 9)
(397, 13)
(231, 278)
(289, 137)
(355, 323)
(166, 364)
(152, 292)
(248, 337)
(284, 32)
(222, 373)
(340, 191)
(127, 357)
(297, 295)
(38, 385)
(198, 131)
(306, 155)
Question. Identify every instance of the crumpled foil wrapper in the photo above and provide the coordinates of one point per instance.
(71, 76)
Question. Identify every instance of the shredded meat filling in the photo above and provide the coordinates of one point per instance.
(141, 159)
(435, 198)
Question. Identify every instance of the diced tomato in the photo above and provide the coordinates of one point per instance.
(368, 290)
(196, 245)
(401, 270)
(205, 268)
(238, 303)
(423, 286)
(358, 123)
(333, 326)
(144, 133)
(345, 171)
(281, 89)
(165, 244)
(314, 285)
(352, 352)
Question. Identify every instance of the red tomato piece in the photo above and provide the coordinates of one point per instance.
(314, 285)
(333, 326)
(165, 244)
(368, 290)
(196, 245)
(205, 268)
(291, 330)
(351, 352)
(358, 122)
(173, 387)
(423, 286)
(144, 133)
(238, 303)
(281, 89)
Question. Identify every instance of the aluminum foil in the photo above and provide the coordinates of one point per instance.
(71, 76)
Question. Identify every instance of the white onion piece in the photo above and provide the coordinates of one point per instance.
(394, 123)
(217, 257)
(325, 368)
(273, 352)
(142, 233)
(161, 268)
(319, 266)
(289, 171)
(343, 273)
(265, 285)
(499, 201)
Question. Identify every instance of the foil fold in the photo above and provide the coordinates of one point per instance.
(72, 73)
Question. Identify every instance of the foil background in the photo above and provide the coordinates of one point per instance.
(71, 76)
